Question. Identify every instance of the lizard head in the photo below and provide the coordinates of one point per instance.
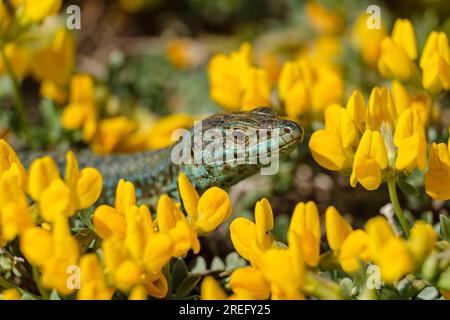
(231, 146)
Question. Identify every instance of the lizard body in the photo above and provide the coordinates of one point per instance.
(155, 173)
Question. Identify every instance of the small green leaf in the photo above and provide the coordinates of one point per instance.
(444, 280)
(179, 272)
(234, 261)
(188, 284)
(217, 264)
(54, 295)
(407, 188)
(445, 227)
(428, 293)
(200, 265)
(347, 286)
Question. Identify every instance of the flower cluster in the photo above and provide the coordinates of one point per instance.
(134, 247)
(282, 271)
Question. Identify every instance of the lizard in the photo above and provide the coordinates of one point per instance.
(154, 173)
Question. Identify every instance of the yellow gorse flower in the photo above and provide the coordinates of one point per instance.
(375, 141)
(207, 212)
(435, 63)
(305, 224)
(53, 252)
(438, 172)
(368, 40)
(304, 87)
(93, 285)
(332, 147)
(36, 11)
(337, 229)
(370, 159)
(250, 239)
(249, 284)
(399, 51)
(235, 83)
(79, 190)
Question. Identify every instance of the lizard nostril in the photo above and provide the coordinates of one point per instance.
(287, 130)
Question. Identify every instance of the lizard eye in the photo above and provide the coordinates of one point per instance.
(240, 137)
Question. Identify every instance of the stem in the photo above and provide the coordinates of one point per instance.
(397, 209)
(18, 100)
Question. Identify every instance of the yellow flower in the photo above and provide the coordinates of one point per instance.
(251, 239)
(10, 161)
(57, 61)
(370, 160)
(227, 76)
(93, 285)
(53, 91)
(128, 273)
(42, 172)
(355, 248)
(160, 134)
(19, 59)
(139, 228)
(332, 147)
(55, 200)
(249, 284)
(86, 184)
(258, 89)
(156, 284)
(15, 217)
(394, 260)
(357, 110)
(409, 138)
(293, 87)
(158, 251)
(435, 63)
(399, 51)
(172, 221)
(110, 221)
(421, 241)
(207, 212)
(419, 102)
(110, 133)
(211, 290)
(290, 281)
(381, 109)
(138, 292)
(323, 19)
(177, 52)
(379, 232)
(337, 229)
(80, 190)
(438, 172)
(10, 294)
(327, 89)
(368, 40)
(80, 113)
(305, 223)
(36, 11)
(53, 252)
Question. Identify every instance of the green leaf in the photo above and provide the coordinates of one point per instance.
(428, 293)
(347, 286)
(179, 273)
(445, 227)
(54, 295)
(234, 261)
(407, 188)
(200, 265)
(217, 264)
(188, 284)
(444, 280)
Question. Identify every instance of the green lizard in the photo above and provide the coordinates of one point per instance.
(155, 173)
